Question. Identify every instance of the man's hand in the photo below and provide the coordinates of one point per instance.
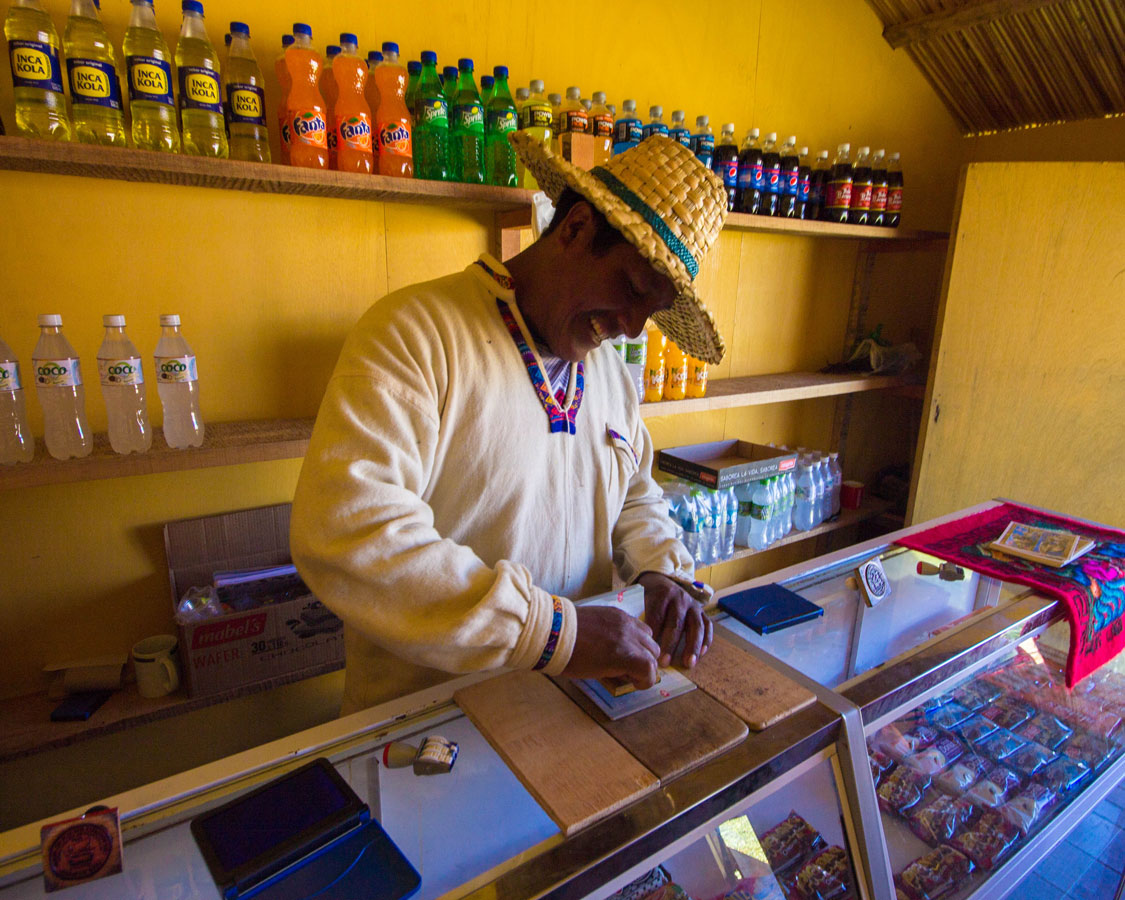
(672, 612)
(611, 642)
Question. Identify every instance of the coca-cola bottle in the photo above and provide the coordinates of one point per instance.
(818, 183)
(894, 191)
(838, 192)
(879, 188)
(859, 210)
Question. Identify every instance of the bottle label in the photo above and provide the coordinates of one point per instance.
(838, 195)
(433, 111)
(652, 128)
(150, 79)
(175, 369)
(285, 133)
(772, 177)
(199, 89)
(744, 508)
(95, 82)
(792, 184)
(894, 200)
(603, 125)
(680, 135)
(702, 143)
(879, 198)
(331, 139)
(10, 376)
(121, 371)
(861, 196)
(627, 130)
(35, 65)
(728, 171)
(501, 121)
(394, 138)
(800, 494)
(575, 121)
(675, 377)
(759, 512)
(58, 372)
(247, 104)
(634, 353)
(468, 117)
(804, 188)
(354, 132)
(536, 116)
(307, 127)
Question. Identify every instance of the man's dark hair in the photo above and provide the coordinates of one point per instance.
(606, 237)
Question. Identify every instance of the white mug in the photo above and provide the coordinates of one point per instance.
(154, 660)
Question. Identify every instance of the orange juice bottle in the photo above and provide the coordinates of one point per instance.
(330, 93)
(284, 82)
(696, 377)
(351, 114)
(308, 123)
(675, 372)
(393, 127)
(654, 365)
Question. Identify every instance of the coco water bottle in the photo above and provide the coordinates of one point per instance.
(16, 442)
(58, 381)
(178, 387)
(123, 388)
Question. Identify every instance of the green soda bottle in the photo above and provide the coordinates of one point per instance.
(201, 104)
(33, 47)
(431, 124)
(246, 99)
(500, 119)
(91, 67)
(449, 86)
(414, 75)
(149, 64)
(466, 130)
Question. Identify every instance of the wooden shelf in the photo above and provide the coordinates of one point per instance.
(756, 390)
(772, 225)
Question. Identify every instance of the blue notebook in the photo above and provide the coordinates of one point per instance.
(769, 608)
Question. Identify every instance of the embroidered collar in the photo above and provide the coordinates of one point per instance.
(560, 415)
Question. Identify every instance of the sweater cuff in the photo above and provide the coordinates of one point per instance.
(564, 644)
(548, 642)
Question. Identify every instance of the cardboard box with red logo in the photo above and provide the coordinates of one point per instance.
(277, 642)
(723, 464)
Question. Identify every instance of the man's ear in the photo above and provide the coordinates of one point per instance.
(578, 226)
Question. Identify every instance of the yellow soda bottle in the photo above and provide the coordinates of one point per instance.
(246, 99)
(654, 365)
(149, 66)
(91, 67)
(675, 372)
(535, 118)
(601, 127)
(696, 377)
(201, 105)
(33, 48)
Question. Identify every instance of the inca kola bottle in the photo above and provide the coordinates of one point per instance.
(202, 125)
(246, 100)
(148, 64)
(33, 48)
(91, 68)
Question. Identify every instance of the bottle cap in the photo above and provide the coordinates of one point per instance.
(429, 58)
(823, 154)
(536, 86)
(656, 111)
(302, 28)
(464, 64)
(346, 37)
(113, 321)
(588, 104)
(612, 108)
(894, 156)
(772, 136)
(500, 71)
(240, 28)
(227, 38)
(702, 121)
(599, 97)
(792, 139)
(753, 132)
(844, 148)
(170, 319)
(50, 321)
(332, 50)
(555, 99)
(678, 115)
(522, 93)
(573, 93)
(287, 40)
(629, 106)
(414, 67)
(879, 154)
(449, 72)
(192, 6)
(863, 151)
(487, 81)
(729, 126)
(390, 47)
(804, 151)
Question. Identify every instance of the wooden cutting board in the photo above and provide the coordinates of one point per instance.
(671, 737)
(567, 762)
(750, 689)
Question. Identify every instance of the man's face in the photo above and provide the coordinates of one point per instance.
(598, 296)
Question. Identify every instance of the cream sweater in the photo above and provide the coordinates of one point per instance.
(435, 512)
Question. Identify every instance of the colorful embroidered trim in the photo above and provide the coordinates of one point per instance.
(505, 281)
(621, 440)
(638, 205)
(553, 637)
(560, 421)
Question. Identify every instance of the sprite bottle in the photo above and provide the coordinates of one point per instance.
(33, 48)
(466, 130)
(201, 104)
(91, 68)
(149, 64)
(431, 123)
(500, 119)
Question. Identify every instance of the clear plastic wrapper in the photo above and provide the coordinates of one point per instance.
(1029, 808)
(939, 817)
(963, 774)
(644, 887)
(994, 788)
(1047, 730)
(890, 740)
(988, 840)
(948, 715)
(1009, 712)
(1030, 758)
(934, 875)
(881, 763)
(976, 694)
(901, 789)
(974, 729)
(826, 876)
(934, 758)
(789, 841)
(1090, 749)
(757, 883)
(1064, 775)
(1000, 744)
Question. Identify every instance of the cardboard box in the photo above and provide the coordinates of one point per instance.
(297, 638)
(723, 464)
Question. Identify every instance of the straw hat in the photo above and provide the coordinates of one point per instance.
(667, 204)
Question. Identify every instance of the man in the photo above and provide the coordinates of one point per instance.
(479, 455)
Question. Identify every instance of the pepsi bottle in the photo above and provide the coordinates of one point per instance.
(751, 181)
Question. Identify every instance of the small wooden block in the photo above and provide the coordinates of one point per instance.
(619, 685)
(750, 689)
(573, 768)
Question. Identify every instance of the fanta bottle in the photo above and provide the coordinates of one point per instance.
(201, 106)
(374, 57)
(627, 129)
(654, 365)
(431, 124)
(675, 373)
(33, 47)
(696, 377)
(601, 127)
(246, 99)
(351, 112)
(149, 66)
(413, 76)
(466, 131)
(284, 83)
(392, 119)
(499, 155)
(92, 66)
(308, 124)
(330, 93)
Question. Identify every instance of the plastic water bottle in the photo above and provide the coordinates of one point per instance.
(16, 442)
(777, 508)
(790, 484)
(730, 521)
(804, 496)
(636, 351)
(148, 63)
(691, 521)
(821, 488)
(246, 99)
(712, 520)
(744, 495)
(58, 381)
(123, 389)
(177, 384)
(33, 48)
(837, 483)
(91, 66)
(759, 516)
(201, 104)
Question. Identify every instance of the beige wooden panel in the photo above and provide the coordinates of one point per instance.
(1027, 391)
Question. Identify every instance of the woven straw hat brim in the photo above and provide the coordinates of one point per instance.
(688, 323)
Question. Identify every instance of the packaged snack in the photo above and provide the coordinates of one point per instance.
(673, 891)
(939, 817)
(880, 764)
(987, 841)
(1045, 729)
(1030, 758)
(963, 774)
(901, 789)
(935, 874)
(1000, 744)
(1027, 809)
(929, 706)
(921, 736)
(1063, 775)
(1009, 712)
(889, 740)
(952, 713)
(644, 887)
(976, 694)
(1092, 750)
(757, 883)
(974, 729)
(827, 876)
(994, 788)
(790, 840)
(934, 759)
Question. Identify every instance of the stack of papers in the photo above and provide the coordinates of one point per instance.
(1048, 546)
